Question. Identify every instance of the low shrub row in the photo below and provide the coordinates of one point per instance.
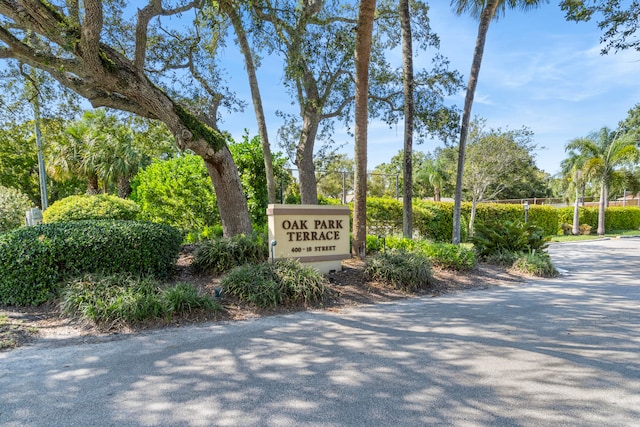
(33, 260)
(434, 220)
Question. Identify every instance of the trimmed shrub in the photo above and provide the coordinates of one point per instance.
(585, 229)
(622, 218)
(438, 223)
(127, 299)
(267, 285)
(222, 254)
(86, 207)
(587, 215)
(567, 229)
(34, 259)
(406, 271)
(615, 217)
(13, 208)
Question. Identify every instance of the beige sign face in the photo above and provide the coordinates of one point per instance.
(310, 233)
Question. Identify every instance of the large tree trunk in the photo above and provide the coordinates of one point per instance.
(304, 160)
(226, 183)
(255, 96)
(364, 32)
(485, 19)
(408, 83)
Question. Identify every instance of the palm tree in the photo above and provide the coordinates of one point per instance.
(70, 157)
(409, 108)
(572, 169)
(605, 151)
(119, 159)
(364, 35)
(486, 11)
(434, 174)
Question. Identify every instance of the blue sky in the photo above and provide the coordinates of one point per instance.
(538, 71)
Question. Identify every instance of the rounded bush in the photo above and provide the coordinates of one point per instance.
(33, 260)
(13, 207)
(86, 207)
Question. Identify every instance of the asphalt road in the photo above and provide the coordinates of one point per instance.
(555, 352)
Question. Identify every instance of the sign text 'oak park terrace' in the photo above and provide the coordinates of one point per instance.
(318, 235)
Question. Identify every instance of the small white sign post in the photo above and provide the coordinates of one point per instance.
(315, 235)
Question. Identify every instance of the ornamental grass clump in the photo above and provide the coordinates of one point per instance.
(535, 264)
(406, 271)
(267, 285)
(125, 299)
(221, 254)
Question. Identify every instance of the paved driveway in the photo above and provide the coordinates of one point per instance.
(555, 352)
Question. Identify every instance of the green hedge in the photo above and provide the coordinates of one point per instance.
(85, 207)
(615, 217)
(434, 220)
(34, 259)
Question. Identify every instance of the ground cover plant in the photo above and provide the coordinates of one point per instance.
(535, 264)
